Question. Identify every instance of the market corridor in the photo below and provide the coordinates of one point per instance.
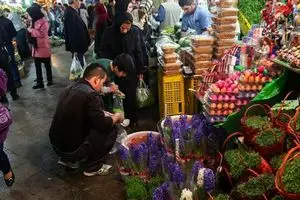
(38, 176)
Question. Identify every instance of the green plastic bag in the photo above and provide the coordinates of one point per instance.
(118, 104)
(144, 96)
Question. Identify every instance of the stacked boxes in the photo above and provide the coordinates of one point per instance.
(224, 26)
(170, 63)
(200, 57)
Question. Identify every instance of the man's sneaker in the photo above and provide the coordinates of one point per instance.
(68, 164)
(104, 170)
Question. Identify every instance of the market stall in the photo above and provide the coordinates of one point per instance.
(244, 140)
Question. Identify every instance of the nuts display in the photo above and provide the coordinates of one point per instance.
(290, 55)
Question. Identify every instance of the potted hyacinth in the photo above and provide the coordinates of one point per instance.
(123, 160)
(203, 180)
(162, 192)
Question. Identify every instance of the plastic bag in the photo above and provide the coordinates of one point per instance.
(144, 96)
(118, 104)
(76, 69)
(121, 136)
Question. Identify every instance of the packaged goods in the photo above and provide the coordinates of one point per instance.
(200, 71)
(227, 12)
(201, 57)
(168, 49)
(226, 3)
(202, 40)
(170, 58)
(225, 42)
(202, 49)
(201, 64)
(225, 28)
(225, 35)
(224, 20)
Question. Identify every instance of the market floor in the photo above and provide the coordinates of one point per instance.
(38, 176)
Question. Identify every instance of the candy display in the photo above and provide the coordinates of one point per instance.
(291, 55)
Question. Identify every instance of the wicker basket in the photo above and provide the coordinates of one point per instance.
(293, 154)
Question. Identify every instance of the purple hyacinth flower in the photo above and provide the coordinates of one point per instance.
(198, 135)
(168, 122)
(135, 153)
(123, 152)
(176, 134)
(209, 180)
(154, 164)
(197, 165)
(144, 149)
(177, 175)
(161, 193)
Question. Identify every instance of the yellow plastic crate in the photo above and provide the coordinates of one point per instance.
(171, 94)
(244, 23)
(191, 102)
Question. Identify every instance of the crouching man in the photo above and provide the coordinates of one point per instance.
(80, 130)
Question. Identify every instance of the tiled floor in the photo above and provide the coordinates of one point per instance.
(38, 176)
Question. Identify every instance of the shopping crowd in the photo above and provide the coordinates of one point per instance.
(83, 127)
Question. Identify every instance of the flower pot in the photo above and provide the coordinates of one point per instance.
(137, 138)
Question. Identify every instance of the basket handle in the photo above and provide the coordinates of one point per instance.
(283, 102)
(263, 106)
(295, 118)
(229, 138)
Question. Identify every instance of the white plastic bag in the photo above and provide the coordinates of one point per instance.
(76, 69)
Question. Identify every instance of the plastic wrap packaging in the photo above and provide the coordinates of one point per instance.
(202, 49)
(168, 49)
(226, 3)
(200, 57)
(170, 58)
(225, 28)
(202, 40)
(200, 71)
(201, 64)
(224, 20)
(165, 41)
(225, 42)
(225, 35)
(227, 12)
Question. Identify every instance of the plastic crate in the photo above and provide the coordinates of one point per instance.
(191, 102)
(244, 23)
(171, 94)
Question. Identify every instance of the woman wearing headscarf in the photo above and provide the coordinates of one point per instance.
(38, 37)
(5, 122)
(139, 20)
(123, 38)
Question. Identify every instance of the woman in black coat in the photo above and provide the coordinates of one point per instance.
(76, 34)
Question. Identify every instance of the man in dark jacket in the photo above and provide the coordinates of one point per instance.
(7, 61)
(80, 128)
(76, 33)
(123, 38)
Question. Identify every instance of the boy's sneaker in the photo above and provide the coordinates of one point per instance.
(104, 170)
(68, 164)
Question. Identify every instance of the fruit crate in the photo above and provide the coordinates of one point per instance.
(191, 102)
(244, 23)
(171, 94)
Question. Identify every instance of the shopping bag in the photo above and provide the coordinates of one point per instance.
(118, 104)
(144, 96)
(76, 69)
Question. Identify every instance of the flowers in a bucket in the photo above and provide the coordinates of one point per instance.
(186, 194)
(206, 179)
(139, 156)
(123, 161)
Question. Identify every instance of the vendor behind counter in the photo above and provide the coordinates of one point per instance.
(194, 17)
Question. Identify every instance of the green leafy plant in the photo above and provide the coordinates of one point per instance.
(276, 161)
(291, 176)
(257, 121)
(153, 183)
(277, 197)
(136, 189)
(252, 10)
(239, 160)
(268, 137)
(256, 186)
(222, 197)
